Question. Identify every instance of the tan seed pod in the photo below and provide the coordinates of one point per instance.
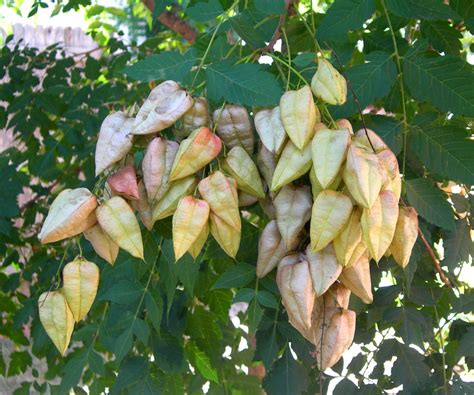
(102, 244)
(346, 243)
(329, 148)
(225, 235)
(71, 213)
(246, 199)
(324, 268)
(316, 187)
(189, 220)
(117, 219)
(393, 181)
(299, 115)
(357, 279)
(379, 223)
(361, 140)
(198, 244)
(270, 129)
(143, 206)
(268, 207)
(271, 249)
(345, 124)
(124, 183)
(195, 152)
(241, 167)
(166, 206)
(196, 117)
(234, 127)
(328, 84)
(156, 167)
(293, 163)
(114, 141)
(296, 289)
(164, 106)
(331, 211)
(56, 318)
(293, 210)
(362, 176)
(336, 337)
(80, 283)
(266, 163)
(406, 233)
(220, 192)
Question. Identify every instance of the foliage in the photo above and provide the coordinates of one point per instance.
(163, 327)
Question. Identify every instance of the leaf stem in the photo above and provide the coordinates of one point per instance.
(441, 341)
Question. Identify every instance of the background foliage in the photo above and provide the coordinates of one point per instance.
(159, 327)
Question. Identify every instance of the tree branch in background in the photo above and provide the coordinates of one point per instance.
(173, 21)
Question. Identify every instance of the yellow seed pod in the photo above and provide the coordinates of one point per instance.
(270, 129)
(166, 206)
(198, 244)
(293, 163)
(118, 220)
(405, 236)
(357, 279)
(346, 243)
(316, 187)
(71, 213)
(102, 244)
(241, 167)
(56, 318)
(328, 84)
(225, 235)
(299, 115)
(189, 220)
(329, 148)
(324, 268)
(331, 211)
(80, 283)
(379, 223)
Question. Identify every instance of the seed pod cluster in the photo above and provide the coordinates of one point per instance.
(323, 230)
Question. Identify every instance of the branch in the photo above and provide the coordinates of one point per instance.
(174, 22)
(277, 34)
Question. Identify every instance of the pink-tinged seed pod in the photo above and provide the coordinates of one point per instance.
(405, 236)
(124, 183)
(357, 279)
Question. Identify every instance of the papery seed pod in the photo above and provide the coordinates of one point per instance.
(246, 199)
(71, 213)
(268, 207)
(362, 176)
(143, 206)
(296, 289)
(156, 166)
(379, 223)
(347, 241)
(405, 236)
(271, 249)
(331, 211)
(293, 163)
(357, 279)
(189, 219)
(393, 181)
(323, 267)
(329, 148)
(102, 244)
(242, 168)
(316, 187)
(80, 283)
(266, 163)
(114, 141)
(293, 210)
(56, 318)
(328, 84)
(270, 129)
(167, 205)
(124, 183)
(195, 152)
(234, 127)
(196, 117)
(336, 337)
(338, 296)
(299, 115)
(225, 235)
(196, 247)
(117, 219)
(359, 251)
(221, 194)
(163, 107)
(345, 124)
(361, 140)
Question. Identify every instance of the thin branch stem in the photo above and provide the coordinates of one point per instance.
(434, 259)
